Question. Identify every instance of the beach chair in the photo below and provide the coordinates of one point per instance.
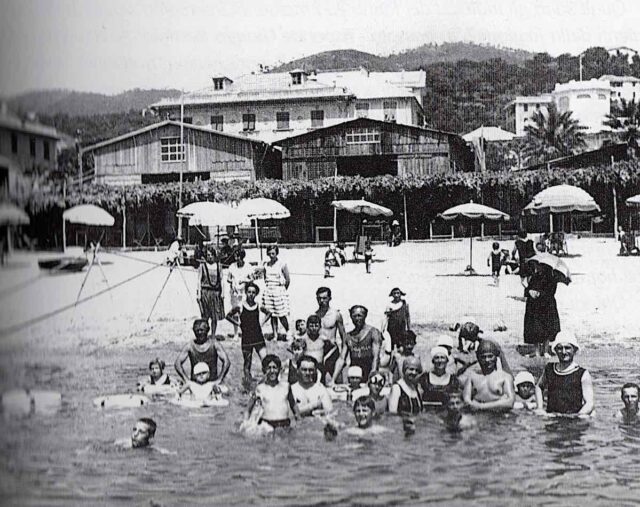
(558, 244)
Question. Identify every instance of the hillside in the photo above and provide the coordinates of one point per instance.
(72, 103)
(411, 59)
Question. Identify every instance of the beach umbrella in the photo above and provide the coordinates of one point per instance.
(88, 214)
(360, 206)
(560, 269)
(472, 212)
(561, 199)
(211, 214)
(10, 214)
(261, 208)
(633, 202)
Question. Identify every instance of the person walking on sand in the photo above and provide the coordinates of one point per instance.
(276, 297)
(209, 290)
(541, 319)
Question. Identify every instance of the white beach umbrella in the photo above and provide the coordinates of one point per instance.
(10, 214)
(211, 214)
(561, 199)
(361, 206)
(262, 208)
(88, 214)
(473, 212)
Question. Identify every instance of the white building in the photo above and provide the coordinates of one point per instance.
(272, 106)
(623, 87)
(587, 100)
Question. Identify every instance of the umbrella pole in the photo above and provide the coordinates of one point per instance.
(550, 222)
(471, 252)
(64, 235)
(257, 237)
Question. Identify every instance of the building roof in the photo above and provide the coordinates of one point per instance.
(323, 85)
(532, 99)
(489, 134)
(573, 85)
(359, 122)
(161, 124)
(12, 121)
(625, 79)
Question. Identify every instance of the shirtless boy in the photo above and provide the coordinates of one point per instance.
(490, 389)
(274, 395)
(364, 412)
(454, 418)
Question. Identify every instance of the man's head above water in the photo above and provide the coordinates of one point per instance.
(143, 431)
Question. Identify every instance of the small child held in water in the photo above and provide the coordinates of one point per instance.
(404, 350)
(630, 394)
(495, 262)
(525, 385)
(368, 255)
(354, 383)
(203, 388)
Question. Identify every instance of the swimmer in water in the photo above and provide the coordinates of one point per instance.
(141, 435)
(355, 385)
(311, 396)
(364, 410)
(525, 385)
(156, 377)
(376, 384)
(274, 396)
(630, 394)
(202, 388)
(454, 418)
(491, 389)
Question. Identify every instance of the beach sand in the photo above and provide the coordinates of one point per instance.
(600, 305)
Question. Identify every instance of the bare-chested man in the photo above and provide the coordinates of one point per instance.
(331, 325)
(491, 388)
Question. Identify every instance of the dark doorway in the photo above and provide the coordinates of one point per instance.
(367, 166)
(4, 182)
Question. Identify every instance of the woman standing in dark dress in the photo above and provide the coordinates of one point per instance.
(541, 320)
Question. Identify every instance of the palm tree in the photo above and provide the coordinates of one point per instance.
(553, 134)
(625, 119)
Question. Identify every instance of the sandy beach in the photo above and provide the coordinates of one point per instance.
(600, 305)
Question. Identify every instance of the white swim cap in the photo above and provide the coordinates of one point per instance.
(439, 351)
(200, 368)
(524, 376)
(354, 371)
(566, 337)
(444, 341)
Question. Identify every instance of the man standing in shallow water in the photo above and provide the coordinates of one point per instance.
(203, 348)
(331, 325)
(491, 389)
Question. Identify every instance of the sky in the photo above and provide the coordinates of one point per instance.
(109, 46)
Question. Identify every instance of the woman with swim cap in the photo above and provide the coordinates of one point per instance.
(405, 397)
(438, 383)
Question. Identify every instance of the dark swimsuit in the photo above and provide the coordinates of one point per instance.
(564, 392)
(279, 423)
(210, 357)
(408, 405)
(252, 337)
(436, 395)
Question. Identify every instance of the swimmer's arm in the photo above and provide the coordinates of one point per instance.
(182, 357)
(341, 331)
(184, 389)
(224, 358)
(375, 347)
(394, 398)
(267, 315)
(252, 403)
(540, 386)
(587, 394)
(326, 403)
(467, 392)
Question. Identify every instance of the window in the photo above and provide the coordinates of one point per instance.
(282, 120)
(525, 107)
(296, 78)
(584, 96)
(563, 104)
(32, 146)
(362, 110)
(14, 142)
(363, 136)
(317, 118)
(47, 155)
(616, 84)
(389, 107)
(187, 119)
(248, 122)
(218, 83)
(217, 122)
(171, 149)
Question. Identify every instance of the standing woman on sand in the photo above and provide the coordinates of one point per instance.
(396, 317)
(541, 319)
(276, 297)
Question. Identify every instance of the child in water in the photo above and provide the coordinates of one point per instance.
(454, 419)
(202, 389)
(354, 383)
(298, 349)
(495, 262)
(525, 385)
(301, 328)
(156, 376)
(364, 410)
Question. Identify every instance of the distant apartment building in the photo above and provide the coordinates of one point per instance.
(273, 106)
(623, 87)
(26, 146)
(589, 101)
